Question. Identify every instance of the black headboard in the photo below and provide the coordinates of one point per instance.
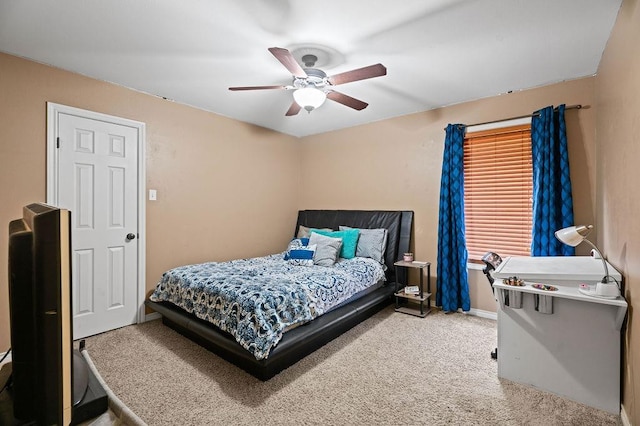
(398, 224)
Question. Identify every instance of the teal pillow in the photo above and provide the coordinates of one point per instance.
(349, 240)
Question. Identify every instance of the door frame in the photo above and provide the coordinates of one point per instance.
(53, 112)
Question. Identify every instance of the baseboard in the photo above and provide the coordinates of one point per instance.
(624, 417)
(152, 316)
(483, 314)
(475, 312)
(117, 408)
(7, 359)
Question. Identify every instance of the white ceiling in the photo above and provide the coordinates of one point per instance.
(437, 52)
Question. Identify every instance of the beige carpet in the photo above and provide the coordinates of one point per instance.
(393, 369)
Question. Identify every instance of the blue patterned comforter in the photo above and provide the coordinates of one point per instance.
(257, 300)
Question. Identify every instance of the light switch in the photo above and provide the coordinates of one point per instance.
(152, 195)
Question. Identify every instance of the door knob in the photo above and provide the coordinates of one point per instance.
(131, 236)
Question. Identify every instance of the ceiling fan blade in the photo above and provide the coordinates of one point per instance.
(293, 109)
(289, 62)
(371, 71)
(256, 87)
(347, 100)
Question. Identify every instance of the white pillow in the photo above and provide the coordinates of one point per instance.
(372, 243)
(327, 249)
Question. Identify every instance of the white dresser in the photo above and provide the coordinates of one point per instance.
(561, 341)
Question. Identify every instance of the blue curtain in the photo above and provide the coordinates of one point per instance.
(452, 284)
(552, 200)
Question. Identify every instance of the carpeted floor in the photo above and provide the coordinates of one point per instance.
(393, 369)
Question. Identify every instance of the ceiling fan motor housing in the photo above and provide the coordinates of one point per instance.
(315, 78)
(309, 61)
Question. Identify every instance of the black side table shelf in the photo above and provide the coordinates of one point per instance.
(421, 297)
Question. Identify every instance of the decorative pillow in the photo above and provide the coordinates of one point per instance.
(302, 256)
(372, 243)
(327, 249)
(349, 240)
(303, 231)
(296, 243)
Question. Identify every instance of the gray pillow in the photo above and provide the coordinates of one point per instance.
(303, 231)
(327, 249)
(372, 243)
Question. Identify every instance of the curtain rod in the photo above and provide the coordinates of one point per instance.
(535, 114)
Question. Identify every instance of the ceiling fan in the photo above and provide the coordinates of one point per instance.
(312, 86)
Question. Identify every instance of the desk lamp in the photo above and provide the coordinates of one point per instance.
(573, 236)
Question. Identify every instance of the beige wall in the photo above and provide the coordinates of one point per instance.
(618, 203)
(396, 164)
(212, 173)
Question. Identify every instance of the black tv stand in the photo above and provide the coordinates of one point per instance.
(93, 402)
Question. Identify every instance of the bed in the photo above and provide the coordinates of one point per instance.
(305, 331)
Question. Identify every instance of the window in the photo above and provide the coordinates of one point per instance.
(498, 191)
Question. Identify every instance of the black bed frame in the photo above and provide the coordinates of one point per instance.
(303, 340)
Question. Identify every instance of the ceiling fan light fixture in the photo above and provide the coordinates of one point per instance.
(309, 98)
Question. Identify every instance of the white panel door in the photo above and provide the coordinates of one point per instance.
(98, 182)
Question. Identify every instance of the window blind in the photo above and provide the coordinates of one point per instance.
(498, 191)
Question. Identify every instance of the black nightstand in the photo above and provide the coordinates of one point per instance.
(421, 297)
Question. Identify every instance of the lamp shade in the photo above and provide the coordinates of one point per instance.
(573, 235)
(309, 98)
